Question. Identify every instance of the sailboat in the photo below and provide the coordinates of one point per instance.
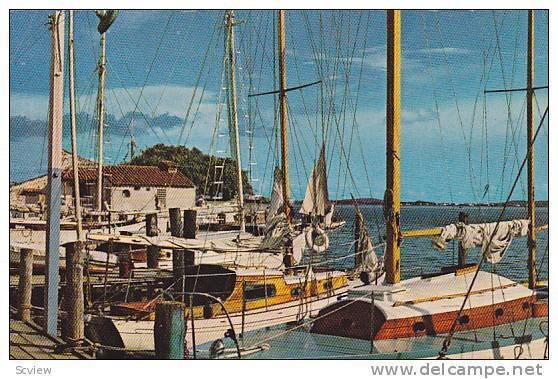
(316, 204)
(225, 299)
(457, 299)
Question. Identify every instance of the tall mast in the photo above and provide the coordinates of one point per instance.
(75, 164)
(100, 117)
(283, 111)
(391, 200)
(234, 117)
(132, 141)
(531, 152)
(56, 109)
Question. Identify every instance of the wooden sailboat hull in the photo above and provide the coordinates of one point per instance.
(408, 313)
(138, 335)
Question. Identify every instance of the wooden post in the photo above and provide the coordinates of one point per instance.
(151, 230)
(56, 109)
(25, 286)
(151, 226)
(532, 235)
(169, 330)
(175, 222)
(74, 293)
(461, 252)
(392, 202)
(177, 254)
(190, 226)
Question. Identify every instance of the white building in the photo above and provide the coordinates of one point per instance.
(129, 188)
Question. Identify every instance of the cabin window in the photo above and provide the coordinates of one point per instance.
(328, 284)
(419, 327)
(148, 188)
(126, 193)
(464, 319)
(499, 312)
(295, 292)
(526, 305)
(259, 291)
(137, 188)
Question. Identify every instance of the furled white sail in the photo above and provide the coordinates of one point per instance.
(316, 200)
(368, 258)
(277, 202)
(494, 238)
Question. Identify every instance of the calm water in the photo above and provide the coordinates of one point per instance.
(418, 255)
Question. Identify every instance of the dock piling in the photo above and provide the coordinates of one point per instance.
(169, 330)
(190, 216)
(74, 292)
(25, 284)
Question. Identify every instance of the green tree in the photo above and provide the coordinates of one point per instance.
(196, 166)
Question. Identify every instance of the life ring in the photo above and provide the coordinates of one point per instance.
(317, 239)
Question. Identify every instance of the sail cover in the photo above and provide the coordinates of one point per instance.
(316, 199)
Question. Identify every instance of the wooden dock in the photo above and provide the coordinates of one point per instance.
(28, 341)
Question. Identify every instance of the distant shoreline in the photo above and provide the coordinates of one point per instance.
(374, 201)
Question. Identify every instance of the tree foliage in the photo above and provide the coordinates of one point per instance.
(196, 166)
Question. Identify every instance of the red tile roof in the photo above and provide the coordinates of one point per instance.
(129, 175)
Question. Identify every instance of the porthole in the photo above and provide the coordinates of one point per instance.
(464, 319)
(499, 312)
(126, 193)
(295, 292)
(419, 327)
(137, 188)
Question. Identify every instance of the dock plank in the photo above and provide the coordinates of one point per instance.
(27, 341)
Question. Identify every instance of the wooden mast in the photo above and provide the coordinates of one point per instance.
(100, 117)
(75, 163)
(288, 258)
(234, 117)
(56, 109)
(283, 111)
(531, 261)
(391, 200)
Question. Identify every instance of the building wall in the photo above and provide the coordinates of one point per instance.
(143, 198)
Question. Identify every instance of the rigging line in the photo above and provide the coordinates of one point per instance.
(346, 103)
(456, 102)
(357, 126)
(150, 68)
(437, 107)
(172, 72)
(346, 99)
(304, 105)
(508, 96)
(204, 60)
(447, 340)
(136, 106)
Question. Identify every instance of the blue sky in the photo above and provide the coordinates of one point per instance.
(457, 143)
